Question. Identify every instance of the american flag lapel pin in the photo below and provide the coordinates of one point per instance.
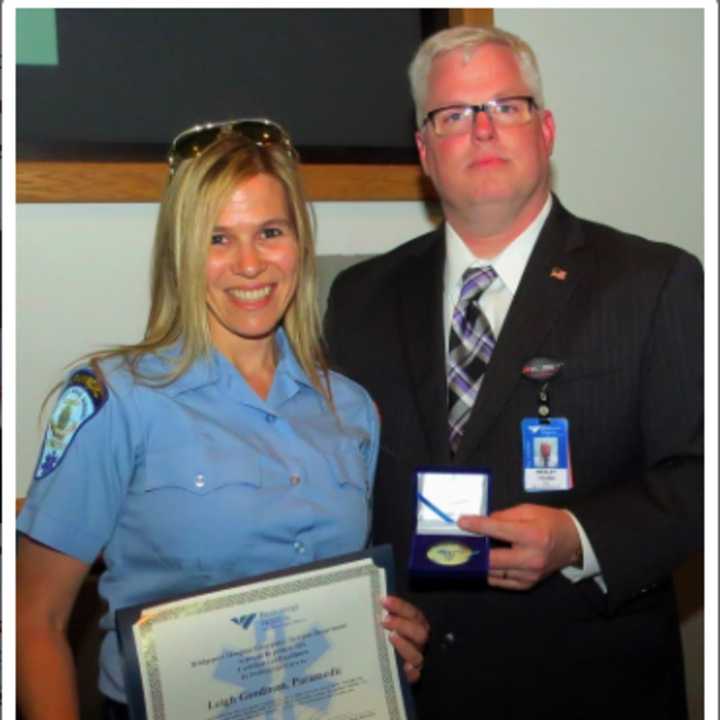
(558, 273)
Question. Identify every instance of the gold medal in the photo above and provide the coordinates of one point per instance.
(449, 553)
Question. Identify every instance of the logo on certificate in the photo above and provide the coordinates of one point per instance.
(245, 621)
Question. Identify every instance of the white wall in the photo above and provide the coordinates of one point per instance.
(626, 88)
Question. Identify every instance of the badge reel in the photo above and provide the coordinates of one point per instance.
(440, 549)
(545, 439)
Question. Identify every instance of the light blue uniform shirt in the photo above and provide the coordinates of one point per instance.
(202, 482)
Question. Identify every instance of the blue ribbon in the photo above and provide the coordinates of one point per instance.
(435, 509)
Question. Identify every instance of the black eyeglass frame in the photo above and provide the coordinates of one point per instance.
(532, 105)
(277, 135)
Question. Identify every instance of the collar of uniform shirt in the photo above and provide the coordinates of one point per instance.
(207, 371)
(509, 266)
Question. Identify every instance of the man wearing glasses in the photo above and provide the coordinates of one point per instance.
(566, 358)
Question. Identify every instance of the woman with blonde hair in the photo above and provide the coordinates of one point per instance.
(218, 447)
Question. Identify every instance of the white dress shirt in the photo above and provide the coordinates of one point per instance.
(509, 266)
(495, 302)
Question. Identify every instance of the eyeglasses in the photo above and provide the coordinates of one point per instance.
(193, 142)
(503, 112)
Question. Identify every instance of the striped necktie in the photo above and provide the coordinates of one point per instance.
(471, 345)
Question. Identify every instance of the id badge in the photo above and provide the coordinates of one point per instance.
(546, 455)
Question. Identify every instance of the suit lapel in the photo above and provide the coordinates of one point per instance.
(556, 265)
(420, 304)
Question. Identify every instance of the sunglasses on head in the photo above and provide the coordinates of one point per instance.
(191, 143)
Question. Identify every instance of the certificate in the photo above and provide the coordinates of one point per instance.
(295, 645)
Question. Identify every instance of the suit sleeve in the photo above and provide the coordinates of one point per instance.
(646, 526)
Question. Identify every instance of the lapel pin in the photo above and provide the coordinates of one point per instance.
(542, 368)
(558, 273)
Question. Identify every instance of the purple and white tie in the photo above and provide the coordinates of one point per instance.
(471, 345)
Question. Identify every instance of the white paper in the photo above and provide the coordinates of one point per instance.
(453, 494)
(302, 646)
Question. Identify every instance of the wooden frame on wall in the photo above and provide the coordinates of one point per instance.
(41, 181)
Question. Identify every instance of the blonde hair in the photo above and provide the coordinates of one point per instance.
(189, 210)
(470, 38)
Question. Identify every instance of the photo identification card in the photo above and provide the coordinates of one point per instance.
(546, 455)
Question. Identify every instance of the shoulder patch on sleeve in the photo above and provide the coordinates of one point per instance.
(81, 400)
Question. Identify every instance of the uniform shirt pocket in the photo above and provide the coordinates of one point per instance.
(193, 505)
(351, 495)
(349, 464)
(201, 471)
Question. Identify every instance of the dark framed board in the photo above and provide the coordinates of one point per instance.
(95, 126)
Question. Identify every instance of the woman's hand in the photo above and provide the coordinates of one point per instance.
(409, 633)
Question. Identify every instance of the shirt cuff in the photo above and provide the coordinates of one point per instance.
(591, 566)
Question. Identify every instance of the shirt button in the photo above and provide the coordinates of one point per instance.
(294, 479)
(299, 547)
(200, 481)
(270, 418)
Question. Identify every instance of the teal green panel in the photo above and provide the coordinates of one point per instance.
(36, 37)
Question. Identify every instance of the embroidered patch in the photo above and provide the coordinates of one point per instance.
(81, 399)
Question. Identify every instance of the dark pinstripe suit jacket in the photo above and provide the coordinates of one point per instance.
(627, 323)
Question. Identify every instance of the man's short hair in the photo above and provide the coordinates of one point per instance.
(470, 38)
